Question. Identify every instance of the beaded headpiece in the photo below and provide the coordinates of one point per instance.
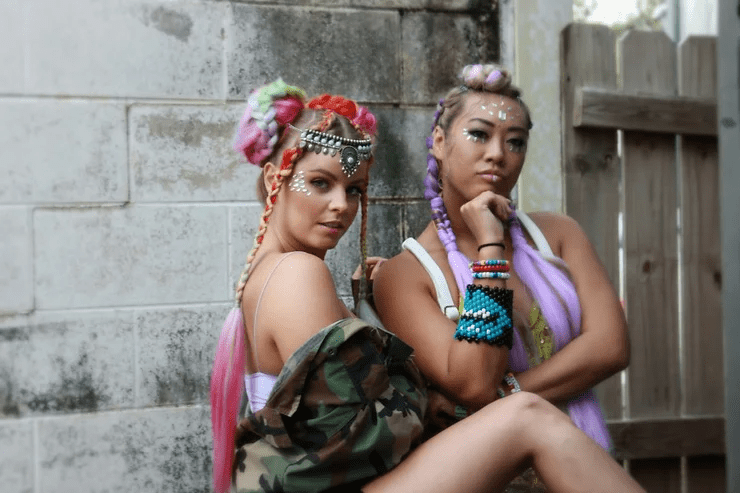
(351, 151)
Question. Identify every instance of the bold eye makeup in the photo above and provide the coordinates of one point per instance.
(475, 135)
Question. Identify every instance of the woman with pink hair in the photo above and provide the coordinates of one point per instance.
(330, 402)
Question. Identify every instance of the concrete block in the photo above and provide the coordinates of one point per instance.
(243, 224)
(400, 152)
(126, 49)
(183, 153)
(175, 355)
(353, 53)
(16, 456)
(446, 5)
(12, 20)
(140, 255)
(436, 46)
(70, 362)
(417, 215)
(163, 450)
(62, 151)
(16, 260)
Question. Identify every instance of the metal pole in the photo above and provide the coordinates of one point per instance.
(728, 56)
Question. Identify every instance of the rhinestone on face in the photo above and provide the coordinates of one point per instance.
(298, 183)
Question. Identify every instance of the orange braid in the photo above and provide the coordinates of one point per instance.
(363, 246)
(290, 156)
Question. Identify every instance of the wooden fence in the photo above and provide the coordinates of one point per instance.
(641, 176)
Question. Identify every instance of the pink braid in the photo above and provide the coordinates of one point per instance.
(227, 386)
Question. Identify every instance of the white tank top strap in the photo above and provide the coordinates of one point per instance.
(539, 239)
(444, 297)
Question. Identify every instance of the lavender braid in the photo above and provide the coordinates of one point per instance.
(457, 260)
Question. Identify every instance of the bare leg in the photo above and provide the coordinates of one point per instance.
(483, 452)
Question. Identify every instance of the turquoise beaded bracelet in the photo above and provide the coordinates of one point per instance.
(491, 275)
(486, 316)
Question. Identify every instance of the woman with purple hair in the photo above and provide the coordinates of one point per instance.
(569, 330)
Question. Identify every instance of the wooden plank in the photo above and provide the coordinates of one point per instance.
(706, 474)
(590, 162)
(657, 475)
(701, 263)
(648, 63)
(655, 438)
(674, 115)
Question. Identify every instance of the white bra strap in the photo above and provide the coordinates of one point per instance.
(539, 239)
(444, 298)
(257, 307)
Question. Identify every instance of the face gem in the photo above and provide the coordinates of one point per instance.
(502, 115)
(298, 183)
(469, 136)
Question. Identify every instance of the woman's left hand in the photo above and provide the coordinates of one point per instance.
(373, 263)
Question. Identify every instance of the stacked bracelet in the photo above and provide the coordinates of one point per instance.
(498, 244)
(491, 275)
(494, 263)
(511, 385)
(486, 316)
(490, 269)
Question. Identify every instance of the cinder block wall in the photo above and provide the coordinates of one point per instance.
(125, 217)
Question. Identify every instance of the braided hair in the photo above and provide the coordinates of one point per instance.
(264, 135)
(545, 279)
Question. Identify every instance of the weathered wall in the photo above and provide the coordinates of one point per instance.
(125, 217)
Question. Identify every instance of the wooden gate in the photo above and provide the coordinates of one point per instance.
(640, 160)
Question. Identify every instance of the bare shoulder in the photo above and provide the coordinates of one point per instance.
(301, 279)
(559, 229)
(400, 272)
(298, 300)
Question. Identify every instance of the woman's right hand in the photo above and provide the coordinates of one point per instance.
(485, 216)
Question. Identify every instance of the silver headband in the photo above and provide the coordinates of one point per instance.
(351, 151)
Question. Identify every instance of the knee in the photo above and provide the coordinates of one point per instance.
(530, 412)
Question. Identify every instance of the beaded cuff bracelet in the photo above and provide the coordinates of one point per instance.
(486, 316)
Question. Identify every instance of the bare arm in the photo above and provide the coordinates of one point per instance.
(468, 373)
(299, 300)
(602, 349)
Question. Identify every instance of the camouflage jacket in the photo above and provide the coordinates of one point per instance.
(348, 405)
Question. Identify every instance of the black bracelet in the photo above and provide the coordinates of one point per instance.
(503, 247)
